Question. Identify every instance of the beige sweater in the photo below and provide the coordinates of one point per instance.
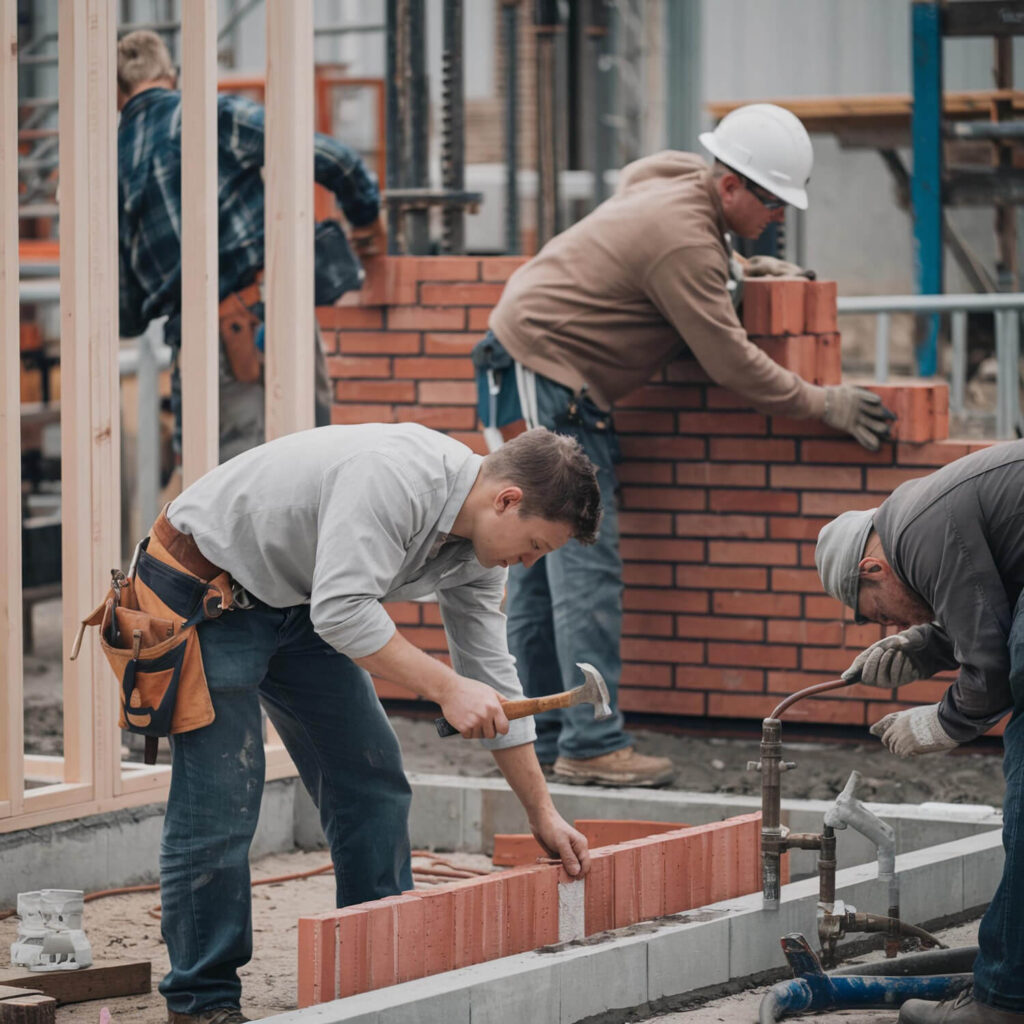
(635, 284)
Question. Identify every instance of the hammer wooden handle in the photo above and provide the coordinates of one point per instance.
(517, 709)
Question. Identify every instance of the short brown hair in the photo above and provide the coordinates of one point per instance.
(558, 481)
(142, 56)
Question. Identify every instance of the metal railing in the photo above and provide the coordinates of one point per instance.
(1006, 308)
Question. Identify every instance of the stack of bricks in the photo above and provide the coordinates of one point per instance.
(720, 505)
(421, 933)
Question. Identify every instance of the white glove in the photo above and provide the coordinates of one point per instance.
(859, 412)
(892, 661)
(772, 266)
(913, 732)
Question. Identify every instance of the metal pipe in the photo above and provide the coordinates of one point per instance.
(510, 20)
(958, 371)
(547, 21)
(771, 811)
(418, 125)
(929, 303)
(882, 348)
(453, 127)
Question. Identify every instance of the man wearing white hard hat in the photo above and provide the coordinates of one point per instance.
(603, 306)
(943, 558)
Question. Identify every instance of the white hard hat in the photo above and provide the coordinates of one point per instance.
(768, 145)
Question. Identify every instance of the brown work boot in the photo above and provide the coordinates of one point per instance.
(965, 1009)
(623, 767)
(223, 1015)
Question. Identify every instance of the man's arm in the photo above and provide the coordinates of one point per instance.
(341, 169)
(522, 772)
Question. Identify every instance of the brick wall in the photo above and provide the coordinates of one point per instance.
(720, 505)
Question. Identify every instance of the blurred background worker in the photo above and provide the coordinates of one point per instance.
(943, 557)
(149, 232)
(647, 276)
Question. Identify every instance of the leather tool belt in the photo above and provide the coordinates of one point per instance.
(238, 326)
(148, 634)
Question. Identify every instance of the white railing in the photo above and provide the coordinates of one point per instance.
(1006, 308)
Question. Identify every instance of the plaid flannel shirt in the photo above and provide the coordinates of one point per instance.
(149, 198)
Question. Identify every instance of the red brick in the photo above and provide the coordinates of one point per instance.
(379, 342)
(721, 398)
(831, 660)
(390, 281)
(803, 632)
(514, 849)
(661, 650)
(833, 503)
(820, 299)
(745, 449)
(440, 344)
(626, 865)
(651, 879)
(358, 318)
(448, 268)
(375, 391)
(645, 523)
(662, 497)
(438, 930)
(646, 574)
(653, 396)
(439, 417)
(461, 294)
(599, 895)
(814, 357)
(889, 479)
(469, 922)
(820, 607)
(710, 627)
(795, 528)
(692, 677)
(644, 472)
(641, 674)
(410, 918)
(500, 268)
(702, 577)
(735, 602)
(663, 447)
(639, 598)
(358, 366)
(405, 613)
(749, 424)
(804, 581)
(756, 655)
(478, 319)
(753, 501)
(610, 832)
(318, 938)
(661, 702)
(686, 370)
(637, 550)
(723, 854)
(712, 474)
(472, 440)
(819, 478)
(844, 451)
(426, 318)
(630, 421)
(683, 857)
(433, 367)
(773, 306)
(921, 407)
(361, 414)
(646, 625)
(751, 552)
(447, 392)
(720, 526)
(861, 636)
(936, 453)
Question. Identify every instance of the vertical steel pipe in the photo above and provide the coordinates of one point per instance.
(510, 22)
(958, 370)
(597, 34)
(882, 348)
(771, 811)
(453, 127)
(547, 20)
(417, 127)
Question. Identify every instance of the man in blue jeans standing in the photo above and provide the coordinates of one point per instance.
(943, 557)
(645, 278)
(317, 530)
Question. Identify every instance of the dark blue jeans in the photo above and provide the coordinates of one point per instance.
(335, 730)
(567, 607)
(999, 968)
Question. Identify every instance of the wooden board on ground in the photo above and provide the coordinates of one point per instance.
(101, 981)
(26, 1006)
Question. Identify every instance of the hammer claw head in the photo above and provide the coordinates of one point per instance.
(596, 689)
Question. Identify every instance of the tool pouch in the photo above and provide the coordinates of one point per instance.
(147, 626)
(238, 326)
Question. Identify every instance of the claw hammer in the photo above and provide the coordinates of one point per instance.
(593, 691)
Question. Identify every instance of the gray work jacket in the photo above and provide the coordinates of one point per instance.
(343, 518)
(956, 538)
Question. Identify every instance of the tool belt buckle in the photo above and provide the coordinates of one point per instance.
(242, 597)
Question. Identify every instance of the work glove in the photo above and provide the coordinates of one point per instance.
(771, 266)
(898, 659)
(859, 412)
(913, 732)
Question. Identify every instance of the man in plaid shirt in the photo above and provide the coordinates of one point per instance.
(149, 221)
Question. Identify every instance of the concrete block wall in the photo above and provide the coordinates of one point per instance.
(418, 934)
(720, 505)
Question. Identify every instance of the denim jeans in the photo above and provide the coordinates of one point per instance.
(329, 717)
(567, 607)
(999, 968)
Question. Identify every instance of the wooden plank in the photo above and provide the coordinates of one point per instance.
(11, 696)
(28, 1009)
(1001, 18)
(10, 992)
(90, 435)
(199, 270)
(101, 981)
(289, 217)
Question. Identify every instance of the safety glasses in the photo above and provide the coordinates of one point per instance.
(762, 195)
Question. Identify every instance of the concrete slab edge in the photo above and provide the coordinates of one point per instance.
(619, 974)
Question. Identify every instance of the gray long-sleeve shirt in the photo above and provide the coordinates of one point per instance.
(343, 518)
(956, 538)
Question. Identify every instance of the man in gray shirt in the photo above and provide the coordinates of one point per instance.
(943, 557)
(320, 528)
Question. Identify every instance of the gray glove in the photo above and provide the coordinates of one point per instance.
(898, 659)
(771, 266)
(859, 412)
(913, 732)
